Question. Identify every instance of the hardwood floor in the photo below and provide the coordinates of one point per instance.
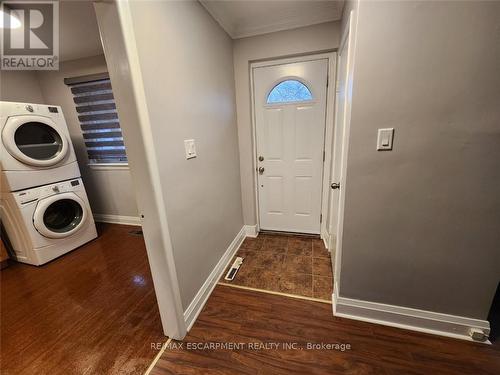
(242, 316)
(287, 264)
(91, 311)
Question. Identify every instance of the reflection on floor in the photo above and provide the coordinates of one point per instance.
(92, 311)
(283, 336)
(286, 264)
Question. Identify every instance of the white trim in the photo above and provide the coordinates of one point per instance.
(329, 123)
(157, 357)
(408, 318)
(109, 166)
(345, 32)
(251, 230)
(208, 286)
(117, 33)
(325, 236)
(291, 60)
(350, 39)
(328, 145)
(118, 219)
(335, 293)
(254, 147)
(288, 21)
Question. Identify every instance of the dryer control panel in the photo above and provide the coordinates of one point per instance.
(38, 109)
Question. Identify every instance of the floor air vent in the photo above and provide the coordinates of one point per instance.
(234, 268)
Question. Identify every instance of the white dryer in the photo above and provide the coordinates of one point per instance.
(36, 146)
(48, 221)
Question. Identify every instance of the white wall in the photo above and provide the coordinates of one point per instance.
(422, 222)
(20, 86)
(317, 38)
(187, 70)
(110, 191)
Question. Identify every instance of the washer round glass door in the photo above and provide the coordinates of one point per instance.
(59, 215)
(34, 140)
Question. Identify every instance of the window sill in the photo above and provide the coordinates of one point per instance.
(108, 166)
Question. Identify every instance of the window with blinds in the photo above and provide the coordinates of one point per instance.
(95, 105)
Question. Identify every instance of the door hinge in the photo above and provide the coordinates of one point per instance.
(327, 80)
(323, 155)
(320, 218)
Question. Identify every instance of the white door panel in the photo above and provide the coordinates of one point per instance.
(341, 142)
(338, 140)
(290, 138)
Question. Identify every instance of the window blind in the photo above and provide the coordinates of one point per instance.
(98, 118)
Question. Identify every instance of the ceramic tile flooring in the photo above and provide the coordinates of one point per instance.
(289, 264)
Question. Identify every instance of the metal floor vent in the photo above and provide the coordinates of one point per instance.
(231, 274)
(137, 233)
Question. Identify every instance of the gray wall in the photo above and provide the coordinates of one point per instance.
(20, 86)
(187, 70)
(110, 191)
(301, 41)
(422, 223)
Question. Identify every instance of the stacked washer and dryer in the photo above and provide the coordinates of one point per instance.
(43, 205)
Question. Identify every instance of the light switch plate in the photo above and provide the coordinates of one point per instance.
(190, 148)
(385, 138)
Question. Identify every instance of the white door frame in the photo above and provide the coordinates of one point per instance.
(349, 37)
(118, 39)
(329, 119)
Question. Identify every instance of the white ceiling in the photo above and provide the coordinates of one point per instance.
(79, 33)
(242, 18)
(78, 30)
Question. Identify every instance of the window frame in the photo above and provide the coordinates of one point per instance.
(291, 102)
(96, 163)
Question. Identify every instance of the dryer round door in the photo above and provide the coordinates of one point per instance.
(60, 215)
(34, 140)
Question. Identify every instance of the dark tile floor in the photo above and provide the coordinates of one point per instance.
(287, 264)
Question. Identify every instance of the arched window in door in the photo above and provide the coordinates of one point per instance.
(290, 90)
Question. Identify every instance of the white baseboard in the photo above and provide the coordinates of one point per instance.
(407, 318)
(201, 297)
(117, 219)
(326, 239)
(251, 230)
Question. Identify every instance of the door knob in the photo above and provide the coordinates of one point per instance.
(335, 185)
(261, 170)
(261, 158)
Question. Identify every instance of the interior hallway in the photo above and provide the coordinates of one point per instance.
(243, 316)
(92, 311)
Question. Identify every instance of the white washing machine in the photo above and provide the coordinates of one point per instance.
(36, 146)
(47, 221)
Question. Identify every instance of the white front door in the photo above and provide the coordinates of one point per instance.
(290, 110)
